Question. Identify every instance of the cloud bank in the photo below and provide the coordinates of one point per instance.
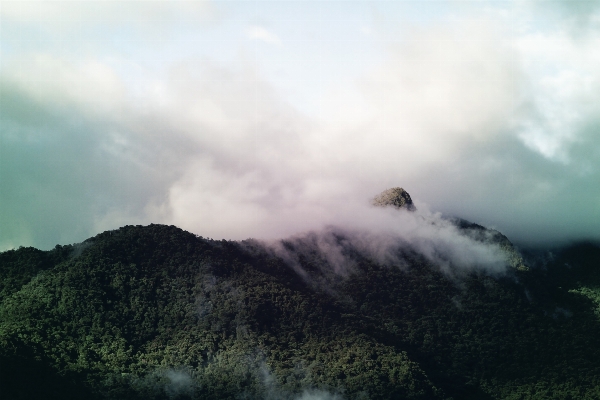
(494, 120)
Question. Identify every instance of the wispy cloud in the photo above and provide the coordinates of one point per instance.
(384, 236)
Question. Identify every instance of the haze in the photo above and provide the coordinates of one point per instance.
(263, 119)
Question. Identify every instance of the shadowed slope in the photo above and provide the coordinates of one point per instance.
(155, 312)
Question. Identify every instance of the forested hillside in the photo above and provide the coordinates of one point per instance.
(155, 312)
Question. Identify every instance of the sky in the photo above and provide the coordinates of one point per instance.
(265, 119)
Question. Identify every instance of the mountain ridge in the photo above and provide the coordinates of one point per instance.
(155, 312)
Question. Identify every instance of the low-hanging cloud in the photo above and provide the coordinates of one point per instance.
(384, 236)
(273, 391)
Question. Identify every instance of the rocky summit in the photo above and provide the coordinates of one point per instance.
(395, 197)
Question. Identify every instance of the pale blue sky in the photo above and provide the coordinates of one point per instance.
(245, 118)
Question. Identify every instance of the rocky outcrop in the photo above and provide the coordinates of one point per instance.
(395, 197)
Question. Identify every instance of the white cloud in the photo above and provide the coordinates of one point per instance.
(92, 86)
(564, 89)
(60, 14)
(382, 234)
(440, 90)
(500, 129)
(261, 33)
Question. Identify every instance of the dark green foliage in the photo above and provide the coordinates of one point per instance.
(19, 266)
(25, 375)
(157, 313)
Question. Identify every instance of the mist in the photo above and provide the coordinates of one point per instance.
(386, 236)
(237, 137)
(186, 383)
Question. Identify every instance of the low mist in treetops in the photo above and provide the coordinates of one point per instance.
(407, 305)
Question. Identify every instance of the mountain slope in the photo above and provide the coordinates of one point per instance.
(156, 312)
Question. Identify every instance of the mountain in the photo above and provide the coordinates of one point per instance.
(154, 312)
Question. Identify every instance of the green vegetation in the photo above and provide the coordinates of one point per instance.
(592, 293)
(157, 313)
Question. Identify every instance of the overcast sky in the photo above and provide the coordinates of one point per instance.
(238, 119)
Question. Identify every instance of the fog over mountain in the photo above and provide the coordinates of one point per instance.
(392, 224)
(268, 119)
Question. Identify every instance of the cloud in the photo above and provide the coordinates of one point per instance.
(318, 395)
(494, 124)
(76, 152)
(70, 14)
(261, 33)
(100, 28)
(385, 235)
(91, 86)
(273, 390)
(172, 383)
(442, 89)
(576, 16)
(564, 95)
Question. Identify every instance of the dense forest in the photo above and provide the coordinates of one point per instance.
(154, 312)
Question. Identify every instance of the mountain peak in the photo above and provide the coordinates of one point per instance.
(395, 197)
